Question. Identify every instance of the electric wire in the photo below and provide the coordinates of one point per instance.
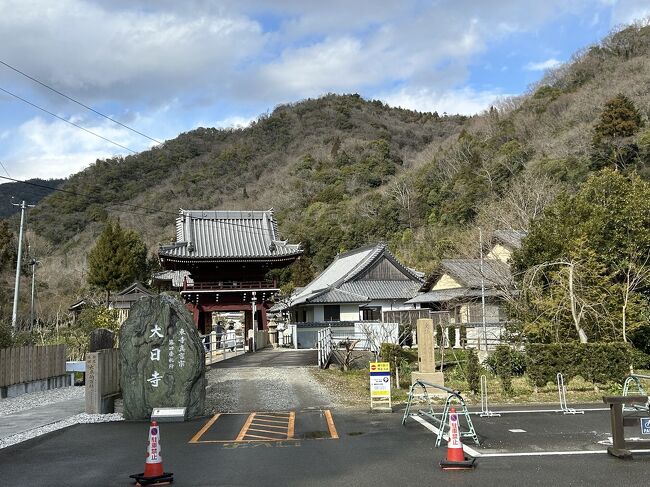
(3, 167)
(67, 121)
(130, 205)
(78, 102)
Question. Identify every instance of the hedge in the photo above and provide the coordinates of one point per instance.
(596, 362)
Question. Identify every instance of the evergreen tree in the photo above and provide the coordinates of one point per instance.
(7, 246)
(612, 143)
(118, 258)
(473, 372)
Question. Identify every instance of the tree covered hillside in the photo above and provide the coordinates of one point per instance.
(342, 171)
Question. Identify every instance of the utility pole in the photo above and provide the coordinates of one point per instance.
(33, 263)
(14, 314)
(480, 234)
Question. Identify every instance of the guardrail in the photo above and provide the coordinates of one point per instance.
(229, 285)
(222, 346)
(325, 348)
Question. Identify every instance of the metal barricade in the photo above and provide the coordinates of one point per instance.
(442, 420)
(561, 389)
(485, 410)
(634, 380)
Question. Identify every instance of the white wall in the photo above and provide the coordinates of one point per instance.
(349, 312)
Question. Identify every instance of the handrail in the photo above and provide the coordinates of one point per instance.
(209, 285)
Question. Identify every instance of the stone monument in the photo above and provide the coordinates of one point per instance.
(427, 356)
(101, 339)
(162, 359)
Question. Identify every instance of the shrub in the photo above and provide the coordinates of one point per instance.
(596, 362)
(503, 360)
(473, 372)
(516, 359)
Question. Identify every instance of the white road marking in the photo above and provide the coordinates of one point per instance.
(538, 411)
(551, 453)
(436, 431)
(517, 430)
(471, 451)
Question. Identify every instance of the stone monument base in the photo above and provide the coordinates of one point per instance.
(433, 378)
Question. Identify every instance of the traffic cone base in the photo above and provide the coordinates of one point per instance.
(456, 459)
(464, 464)
(141, 480)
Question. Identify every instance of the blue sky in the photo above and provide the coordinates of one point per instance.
(165, 67)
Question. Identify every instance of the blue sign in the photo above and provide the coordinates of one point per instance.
(645, 426)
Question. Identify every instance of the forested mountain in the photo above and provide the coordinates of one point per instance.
(30, 193)
(342, 171)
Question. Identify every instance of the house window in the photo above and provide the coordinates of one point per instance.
(371, 314)
(332, 312)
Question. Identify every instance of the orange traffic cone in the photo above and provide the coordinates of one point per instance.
(153, 468)
(456, 459)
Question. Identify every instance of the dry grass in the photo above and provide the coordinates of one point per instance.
(352, 389)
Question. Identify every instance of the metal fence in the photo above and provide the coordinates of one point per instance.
(26, 364)
(222, 346)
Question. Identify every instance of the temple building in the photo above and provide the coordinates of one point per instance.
(226, 256)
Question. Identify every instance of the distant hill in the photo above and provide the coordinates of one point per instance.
(342, 171)
(21, 191)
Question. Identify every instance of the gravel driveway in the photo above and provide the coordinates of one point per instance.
(264, 382)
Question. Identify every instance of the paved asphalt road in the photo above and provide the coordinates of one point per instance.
(373, 450)
(341, 447)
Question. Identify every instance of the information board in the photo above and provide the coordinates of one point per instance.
(380, 397)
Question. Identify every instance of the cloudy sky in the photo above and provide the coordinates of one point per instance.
(168, 66)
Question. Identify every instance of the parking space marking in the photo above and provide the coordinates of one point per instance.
(206, 427)
(330, 425)
(263, 427)
(244, 429)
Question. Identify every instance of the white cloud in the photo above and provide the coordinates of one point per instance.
(543, 65)
(235, 122)
(462, 101)
(628, 11)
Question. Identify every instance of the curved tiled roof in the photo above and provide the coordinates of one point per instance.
(223, 235)
(343, 280)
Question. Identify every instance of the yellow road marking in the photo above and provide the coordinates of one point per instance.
(195, 438)
(330, 425)
(267, 431)
(275, 429)
(292, 424)
(266, 417)
(247, 424)
(264, 437)
(258, 419)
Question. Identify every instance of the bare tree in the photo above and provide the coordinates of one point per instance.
(402, 192)
(636, 273)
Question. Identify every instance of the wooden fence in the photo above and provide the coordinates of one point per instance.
(26, 364)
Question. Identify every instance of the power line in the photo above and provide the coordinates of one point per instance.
(67, 121)
(129, 205)
(78, 102)
(3, 167)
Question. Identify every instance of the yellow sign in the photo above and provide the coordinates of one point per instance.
(379, 367)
